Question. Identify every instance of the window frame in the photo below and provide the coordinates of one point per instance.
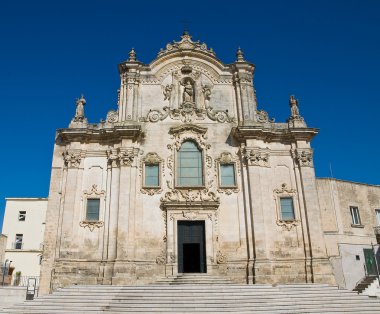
(177, 163)
(281, 208)
(377, 215)
(221, 164)
(86, 213)
(21, 243)
(151, 159)
(354, 223)
(158, 164)
(21, 215)
(286, 192)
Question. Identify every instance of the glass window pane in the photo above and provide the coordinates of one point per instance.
(227, 175)
(355, 215)
(152, 173)
(287, 209)
(93, 205)
(189, 165)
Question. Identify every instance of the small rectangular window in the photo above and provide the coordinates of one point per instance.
(355, 215)
(152, 175)
(227, 175)
(21, 215)
(378, 216)
(92, 212)
(18, 241)
(287, 208)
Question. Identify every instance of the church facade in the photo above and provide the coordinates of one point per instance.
(186, 176)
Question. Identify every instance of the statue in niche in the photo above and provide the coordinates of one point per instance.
(79, 113)
(294, 110)
(188, 91)
(168, 91)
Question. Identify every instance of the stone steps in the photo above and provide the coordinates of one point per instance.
(212, 298)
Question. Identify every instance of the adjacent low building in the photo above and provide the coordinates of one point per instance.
(24, 226)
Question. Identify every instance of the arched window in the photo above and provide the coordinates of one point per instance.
(189, 165)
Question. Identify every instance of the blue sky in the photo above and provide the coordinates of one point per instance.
(326, 52)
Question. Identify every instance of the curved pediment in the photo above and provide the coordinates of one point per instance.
(187, 57)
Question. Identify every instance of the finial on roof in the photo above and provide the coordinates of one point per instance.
(239, 55)
(132, 55)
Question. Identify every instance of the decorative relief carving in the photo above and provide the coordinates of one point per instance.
(189, 196)
(190, 215)
(303, 157)
(188, 112)
(161, 259)
(257, 156)
(72, 158)
(221, 258)
(186, 43)
(91, 224)
(112, 116)
(94, 191)
(262, 116)
(122, 156)
(167, 91)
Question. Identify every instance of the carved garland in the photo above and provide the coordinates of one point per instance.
(286, 191)
(188, 112)
(151, 159)
(94, 192)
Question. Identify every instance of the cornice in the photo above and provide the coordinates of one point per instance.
(270, 134)
(91, 134)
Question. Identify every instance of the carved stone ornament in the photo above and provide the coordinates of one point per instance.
(112, 116)
(286, 191)
(94, 191)
(91, 224)
(72, 158)
(161, 259)
(190, 196)
(188, 112)
(303, 157)
(256, 156)
(262, 116)
(221, 258)
(186, 43)
(122, 156)
(151, 159)
(190, 215)
(167, 91)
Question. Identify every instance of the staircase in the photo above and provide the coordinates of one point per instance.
(201, 298)
(194, 279)
(364, 283)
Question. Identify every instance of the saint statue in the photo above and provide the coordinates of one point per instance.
(188, 91)
(79, 113)
(294, 111)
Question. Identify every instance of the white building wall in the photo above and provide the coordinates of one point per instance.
(27, 259)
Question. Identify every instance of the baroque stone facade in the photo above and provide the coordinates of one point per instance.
(133, 166)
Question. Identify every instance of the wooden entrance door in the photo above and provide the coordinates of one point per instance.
(191, 247)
